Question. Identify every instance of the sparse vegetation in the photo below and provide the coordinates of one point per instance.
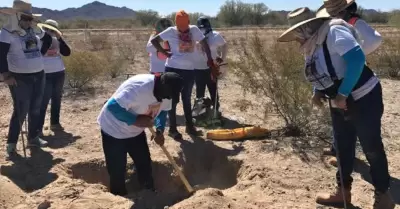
(275, 73)
(83, 67)
(386, 60)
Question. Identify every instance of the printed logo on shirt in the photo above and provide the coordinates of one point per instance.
(186, 43)
(153, 109)
(30, 46)
(53, 51)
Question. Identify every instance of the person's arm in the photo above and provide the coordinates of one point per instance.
(121, 113)
(47, 40)
(222, 45)
(355, 61)
(157, 39)
(65, 50)
(5, 44)
(372, 38)
(160, 121)
(344, 43)
(4, 49)
(150, 47)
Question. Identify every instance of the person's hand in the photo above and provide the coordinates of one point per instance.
(143, 121)
(214, 70)
(318, 99)
(168, 53)
(159, 138)
(58, 35)
(219, 60)
(9, 79)
(340, 102)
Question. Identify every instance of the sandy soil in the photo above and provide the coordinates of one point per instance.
(274, 172)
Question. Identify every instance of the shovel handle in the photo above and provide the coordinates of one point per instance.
(189, 188)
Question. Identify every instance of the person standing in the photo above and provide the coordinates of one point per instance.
(138, 103)
(371, 39)
(182, 39)
(22, 46)
(218, 49)
(55, 75)
(336, 68)
(157, 59)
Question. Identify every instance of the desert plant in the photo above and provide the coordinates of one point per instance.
(386, 60)
(100, 42)
(114, 63)
(275, 73)
(82, 67)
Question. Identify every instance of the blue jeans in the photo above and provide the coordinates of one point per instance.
(186, 93)
(364, 121)
(27, 98)
(53, 90)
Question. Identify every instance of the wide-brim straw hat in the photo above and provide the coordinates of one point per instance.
(50, 24)
(331, 8)
(21, 6)
(297, 18)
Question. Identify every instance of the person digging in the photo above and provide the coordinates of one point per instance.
(140, 102)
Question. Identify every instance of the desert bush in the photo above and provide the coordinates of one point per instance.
(99, 42)
(82, 67)
(274, 72)
(386, 60)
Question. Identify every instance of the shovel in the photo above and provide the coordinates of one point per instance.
(188, 187)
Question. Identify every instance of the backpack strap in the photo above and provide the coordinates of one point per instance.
(352, 21)
(328, 61)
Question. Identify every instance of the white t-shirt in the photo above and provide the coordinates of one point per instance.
(214, 40)
(156, 65)
(340, 40)
(136, 96)
(52, 60)
(24, 55)
(371, 38)
(182, 51)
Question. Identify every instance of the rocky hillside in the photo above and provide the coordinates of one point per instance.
(95, 10)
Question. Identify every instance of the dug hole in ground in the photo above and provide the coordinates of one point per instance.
(274, 172)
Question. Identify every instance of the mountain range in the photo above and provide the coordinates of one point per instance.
(98, 11)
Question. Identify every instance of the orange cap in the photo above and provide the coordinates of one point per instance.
(182, 21)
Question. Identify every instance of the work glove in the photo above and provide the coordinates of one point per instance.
(214, 70)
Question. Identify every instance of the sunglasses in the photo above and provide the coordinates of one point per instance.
(26, 18)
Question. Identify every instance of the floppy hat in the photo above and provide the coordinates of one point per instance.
(20, 6)
(297, 18)
(333, 7)
(50, 24)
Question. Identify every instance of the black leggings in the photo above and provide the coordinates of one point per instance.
(203, 79)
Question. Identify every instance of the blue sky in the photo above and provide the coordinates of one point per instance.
(209, 7)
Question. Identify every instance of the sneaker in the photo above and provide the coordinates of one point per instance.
(37, 142)
(11, 150)
(383, 201)
(56, 127)
(175, 134)
(335, 198)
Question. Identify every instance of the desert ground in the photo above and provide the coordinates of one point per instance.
(272, 172)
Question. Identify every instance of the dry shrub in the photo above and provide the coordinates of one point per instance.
(100, 41)
(274, 72)
(386, 60)
(82, 67)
